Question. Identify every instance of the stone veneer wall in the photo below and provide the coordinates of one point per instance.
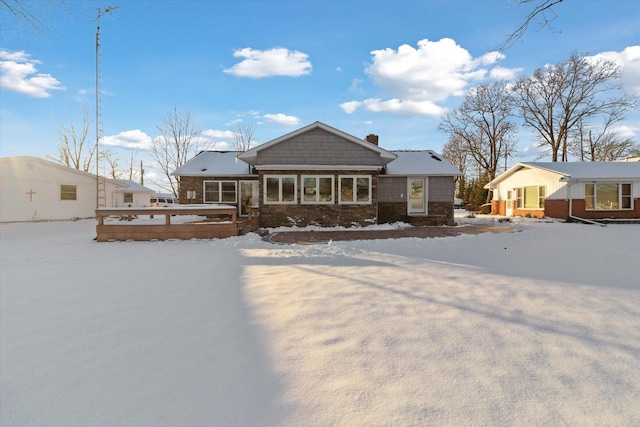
(440, 213)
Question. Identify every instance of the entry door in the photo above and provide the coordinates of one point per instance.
(417, 196)
(248, 196)
(509, 207)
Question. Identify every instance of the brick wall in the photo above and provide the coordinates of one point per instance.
(498, 207)
(556, 208)
(579, 210)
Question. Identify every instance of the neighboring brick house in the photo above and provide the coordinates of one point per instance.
(321, 175)
(579, 190)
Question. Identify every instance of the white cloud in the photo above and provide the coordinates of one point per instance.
(19, 73)
(350, 106)
(133, 139)
(629, 60)
(625, 131)
(502, 73)
(282, 119)
(417, 80)
(273, 62)
(217, 134)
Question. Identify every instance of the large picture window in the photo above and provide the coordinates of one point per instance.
(280, 189)
(531, 197)
(68, 192)
(220, 192)
(355, 189)
(607, 196)
(317, 189)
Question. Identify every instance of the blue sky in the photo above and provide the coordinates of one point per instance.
(384, 67)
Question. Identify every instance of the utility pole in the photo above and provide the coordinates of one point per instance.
(101, 194)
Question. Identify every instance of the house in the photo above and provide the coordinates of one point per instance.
(585, 190)
(33, 189)
(132, 195)
(321, 175)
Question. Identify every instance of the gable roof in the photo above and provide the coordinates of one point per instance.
(578, 171)
(219, 163)
(6, 162)
(251, 155)
(421, 162)
(132, 186)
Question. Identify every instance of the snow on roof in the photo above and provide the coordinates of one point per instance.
(132, 186)
(578, 171)
(219, 163)
(6, 162)
(422, 162)
(591, 170)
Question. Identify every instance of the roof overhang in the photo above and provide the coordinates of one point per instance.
(318, 167)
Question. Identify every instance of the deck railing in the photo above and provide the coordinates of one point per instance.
(216, 221)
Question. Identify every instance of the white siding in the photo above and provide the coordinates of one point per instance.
(23, 175)
(530, 177)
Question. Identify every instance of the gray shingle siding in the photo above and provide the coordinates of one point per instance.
(441, 189)
(317, 147)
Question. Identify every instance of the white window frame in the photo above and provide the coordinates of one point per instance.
(126, 196)
(317, 200)
(219, 191)
(354, 200)
(620, 196)
(521, 197)
(280, 201)
(65, 190)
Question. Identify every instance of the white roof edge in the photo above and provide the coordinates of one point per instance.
(59, 166)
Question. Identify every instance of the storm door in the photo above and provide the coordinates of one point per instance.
(417, 195)
(248, 196)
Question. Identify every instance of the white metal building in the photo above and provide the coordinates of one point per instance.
(34, 189)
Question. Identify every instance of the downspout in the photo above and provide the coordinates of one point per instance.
(569, 184)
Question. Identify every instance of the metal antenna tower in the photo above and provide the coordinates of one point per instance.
(101, 192)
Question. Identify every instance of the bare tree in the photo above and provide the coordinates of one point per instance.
(73, 150)
(112, 160)
(177, 142)
(131, 171)
(29, 12)
(558, 98)
(243, 137)
(482, 125)
(542, 12)
(456, 151)
(601, 145)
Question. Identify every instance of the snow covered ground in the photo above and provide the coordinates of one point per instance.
(538, 327)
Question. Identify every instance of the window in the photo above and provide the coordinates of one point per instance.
(68, 192)
(317, 189)
(417, 196)
(219, 191)
(607, 196)
(280, 189)
(128, 197)
(531, 197)
(355, 189)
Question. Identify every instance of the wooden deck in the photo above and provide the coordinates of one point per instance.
(220, 221)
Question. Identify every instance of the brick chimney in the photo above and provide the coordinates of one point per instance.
(372, 139)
